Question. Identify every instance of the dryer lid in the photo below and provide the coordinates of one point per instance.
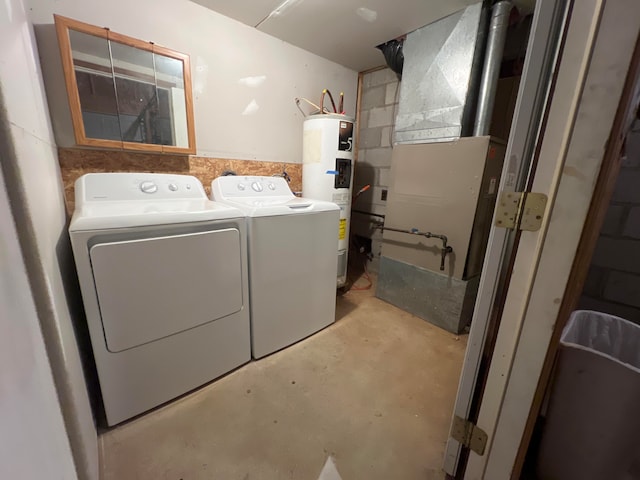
(153, 288)
(117, 200)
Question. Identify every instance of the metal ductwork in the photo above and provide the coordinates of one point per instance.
(491, 70)
(439, 80)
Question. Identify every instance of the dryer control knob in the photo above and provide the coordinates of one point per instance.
(272, 186)
(257, 186)
(173, 187)
(241, 186)
(148, 187)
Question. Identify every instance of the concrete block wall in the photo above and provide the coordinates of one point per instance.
(377, 117)
(613, 282)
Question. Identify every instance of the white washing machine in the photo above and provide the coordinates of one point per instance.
(163, 275)
(292, 259)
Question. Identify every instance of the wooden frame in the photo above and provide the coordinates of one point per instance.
(188, 97)
(63, 25)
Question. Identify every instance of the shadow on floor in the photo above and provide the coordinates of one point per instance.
(351, 392)
(344, 306)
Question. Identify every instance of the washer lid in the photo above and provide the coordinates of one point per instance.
(262, 207)
(264, 196)
(116, 200)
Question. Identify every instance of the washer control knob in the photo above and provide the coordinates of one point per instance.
(148, 187)
(241, 187)
(257, 186)
(272, 186)
(173, 187)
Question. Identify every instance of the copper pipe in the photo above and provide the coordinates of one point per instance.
(333, 104)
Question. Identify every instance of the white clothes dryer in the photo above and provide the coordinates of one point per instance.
(163, 276)
(292, 259)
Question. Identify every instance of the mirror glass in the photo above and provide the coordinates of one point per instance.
(126, 93)
(136, 94)
(92, 69)
(172, 106)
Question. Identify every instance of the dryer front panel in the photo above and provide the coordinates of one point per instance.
(152, 288)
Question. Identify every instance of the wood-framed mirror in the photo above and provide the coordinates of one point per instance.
(125, 93)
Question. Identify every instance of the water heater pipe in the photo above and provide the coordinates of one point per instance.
(491, 70)
(414, 231)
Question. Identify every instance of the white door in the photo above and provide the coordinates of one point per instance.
(598, 44)
(533, 97)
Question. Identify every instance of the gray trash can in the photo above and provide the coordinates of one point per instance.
(592, 428)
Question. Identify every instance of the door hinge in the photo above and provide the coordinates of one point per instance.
(521, 210)
(469, 435)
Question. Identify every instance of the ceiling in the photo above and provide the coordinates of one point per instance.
(344, 31)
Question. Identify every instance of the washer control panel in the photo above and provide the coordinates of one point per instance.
(138, 186)
(232, 186)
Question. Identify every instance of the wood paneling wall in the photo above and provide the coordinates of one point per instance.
(75, 162)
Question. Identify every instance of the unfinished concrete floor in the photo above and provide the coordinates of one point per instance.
(375, 391)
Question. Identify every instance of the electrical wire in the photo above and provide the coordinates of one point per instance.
(333, 104)
(304, 114)
(321, 108)
(299, 99)
(308, 101)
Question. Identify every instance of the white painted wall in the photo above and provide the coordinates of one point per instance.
(233, 120)
(33, 442)
(28, 153)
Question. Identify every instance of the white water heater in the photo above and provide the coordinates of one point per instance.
(327, 172)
